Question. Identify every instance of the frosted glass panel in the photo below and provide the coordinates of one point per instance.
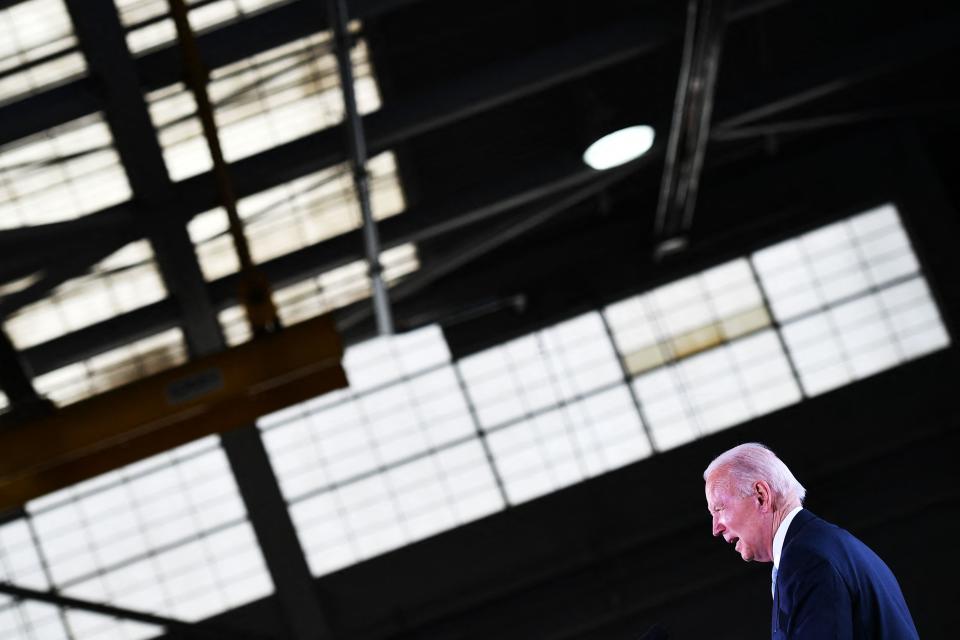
(568, 444)
(538, 371)
(851, 299)
(166, 535)
(716, 389)
(408, 502)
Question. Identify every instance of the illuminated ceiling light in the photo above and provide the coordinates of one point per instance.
(619, 147)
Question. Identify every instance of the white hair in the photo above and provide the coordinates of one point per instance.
(747, 463)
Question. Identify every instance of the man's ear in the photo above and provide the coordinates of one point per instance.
(762, 495)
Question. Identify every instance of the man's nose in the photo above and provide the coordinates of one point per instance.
(717, 526)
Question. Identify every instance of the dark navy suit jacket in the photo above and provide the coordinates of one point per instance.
(830, 585)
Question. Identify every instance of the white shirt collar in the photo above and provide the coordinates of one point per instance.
(781, 535)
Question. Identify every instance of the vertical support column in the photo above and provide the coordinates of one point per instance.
(102, 40)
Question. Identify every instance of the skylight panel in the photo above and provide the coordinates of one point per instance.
(404, 400)
(168, 534)
(62, 174)
(149, 25)
(320, 294)
(93, 626)
(716, 389)
(568, 443)
(22, 565)
(318, 207)
(408, 502)
(28, 619)
(555, 407)
(540, 370)
(285, 93)
(851, 299)
(20, 561)
(390, 460)
(864, 336)
(389, 358)
(264, 101)
(687, 316)
(113, 368)
(37, 48)
(126, 280)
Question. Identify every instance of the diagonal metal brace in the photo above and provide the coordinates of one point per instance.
(198, 630)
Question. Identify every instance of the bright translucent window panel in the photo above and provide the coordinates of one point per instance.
(687, 316)
(36, 39)
(360, 435)
(865, 335)
(716, 389)
(435, 492)
(851, 299)
(194, 580)
(113, 368)
(404, 400)
(20, 561)
(149, 24)
(125, 281)
(342, 286)
(569, 443)
(92, 626)
(21, 564)
(286, 93)
(61, 174)
(388, 358)
(295, 215)
(835, 263)
(262, 102)
(330, 290)
(130, 537)
(30, 621)
(540, 370)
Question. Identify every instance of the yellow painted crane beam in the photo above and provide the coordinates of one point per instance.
(208, 395)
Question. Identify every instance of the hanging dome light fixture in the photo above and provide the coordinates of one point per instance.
(619, 147)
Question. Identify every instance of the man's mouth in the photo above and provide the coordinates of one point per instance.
(735, 542)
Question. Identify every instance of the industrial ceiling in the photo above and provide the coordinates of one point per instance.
(772, 117)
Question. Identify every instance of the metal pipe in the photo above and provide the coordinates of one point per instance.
(337, 17)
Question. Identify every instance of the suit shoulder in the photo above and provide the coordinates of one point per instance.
(817, 539)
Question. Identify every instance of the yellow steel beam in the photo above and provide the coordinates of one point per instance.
(208, 395)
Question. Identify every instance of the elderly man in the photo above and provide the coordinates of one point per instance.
(826, 583)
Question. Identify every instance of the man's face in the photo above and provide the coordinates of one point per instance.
(741, 520)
